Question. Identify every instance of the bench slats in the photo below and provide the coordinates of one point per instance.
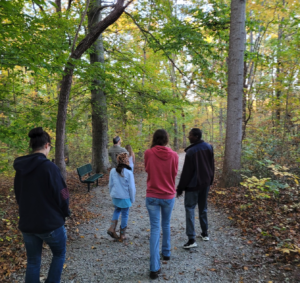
(93, 178)
(87, 169)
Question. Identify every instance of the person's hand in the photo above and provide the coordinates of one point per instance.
(178, 194)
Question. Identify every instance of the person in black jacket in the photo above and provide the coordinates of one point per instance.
(43, 200)
(196, 178)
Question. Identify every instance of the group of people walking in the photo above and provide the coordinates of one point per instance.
(43, 197)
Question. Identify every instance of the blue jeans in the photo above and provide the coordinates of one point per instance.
(191, 199)
(125, 214)
(57, 242)
(156, 206)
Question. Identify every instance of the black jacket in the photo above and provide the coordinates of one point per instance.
(198, 169)
(41, 194)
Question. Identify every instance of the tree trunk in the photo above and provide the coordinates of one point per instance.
(58, 5)
(278, 72)
(244, 102)
(233, 143)
(98, 100)
(66, 83)
(221, 123)
(173, 81)
(183, 130)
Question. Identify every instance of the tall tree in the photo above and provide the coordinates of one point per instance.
(233, 143)
(98, 99)
(67, 79)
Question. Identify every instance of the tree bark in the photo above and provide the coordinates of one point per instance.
(233, 143)
(244, 102)
(173, 81)
(66, 84)
(183, 130)
(278, 75)
(98, 100)
(58, 6)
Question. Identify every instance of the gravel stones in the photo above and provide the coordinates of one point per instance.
(96, 257)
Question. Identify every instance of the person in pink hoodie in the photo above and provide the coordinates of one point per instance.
(161, 164)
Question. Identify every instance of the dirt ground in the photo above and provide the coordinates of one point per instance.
(95, 257)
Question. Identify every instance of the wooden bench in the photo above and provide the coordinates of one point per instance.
(87, 169)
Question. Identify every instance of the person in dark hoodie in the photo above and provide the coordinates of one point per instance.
(196, 178)
(43, 200)
(161, 164)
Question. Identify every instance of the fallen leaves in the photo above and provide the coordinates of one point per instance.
(12, 250)
(272, 221)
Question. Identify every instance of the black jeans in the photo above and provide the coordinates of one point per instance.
(191, 199)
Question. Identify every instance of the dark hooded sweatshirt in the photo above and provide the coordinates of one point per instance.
(198, 168)
(41, 194)
(161, 164)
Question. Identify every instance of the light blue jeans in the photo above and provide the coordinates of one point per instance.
(156, 207)
(57, 243)
(125, 214)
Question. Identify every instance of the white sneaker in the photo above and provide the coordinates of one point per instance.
(204, 237)
(190, 244)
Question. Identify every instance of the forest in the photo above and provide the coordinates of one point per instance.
(88, 70)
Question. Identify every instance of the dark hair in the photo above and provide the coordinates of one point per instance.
(116, 139)
(120, 167)
(160, 137)
(38, 138)
(196, 133)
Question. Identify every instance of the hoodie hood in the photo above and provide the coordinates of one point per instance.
(28, 163)
(162, 152)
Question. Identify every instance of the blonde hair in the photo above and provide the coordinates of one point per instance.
(129, 149)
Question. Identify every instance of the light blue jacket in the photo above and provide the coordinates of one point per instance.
(122, 187)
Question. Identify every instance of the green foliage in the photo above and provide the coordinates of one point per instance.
(263, 187)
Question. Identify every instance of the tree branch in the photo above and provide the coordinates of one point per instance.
(87, 42)
(81, 21)
(157, 41)
(69, 4)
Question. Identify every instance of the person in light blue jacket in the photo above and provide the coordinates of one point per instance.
(122, 190)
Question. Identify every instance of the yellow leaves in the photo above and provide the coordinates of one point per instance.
(188, 19)
(292, 249)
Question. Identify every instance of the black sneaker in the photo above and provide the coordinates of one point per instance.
(204, 236)
(154, 274)
(165, 257)
(190, 244)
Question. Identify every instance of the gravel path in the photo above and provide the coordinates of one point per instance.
(95, 257)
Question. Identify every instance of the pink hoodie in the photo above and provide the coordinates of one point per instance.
(161, 164)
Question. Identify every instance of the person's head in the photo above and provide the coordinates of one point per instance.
(129, 149)
(117, 140)
(40, 141)
(195, 135)
(160, 137)
(123, 162)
